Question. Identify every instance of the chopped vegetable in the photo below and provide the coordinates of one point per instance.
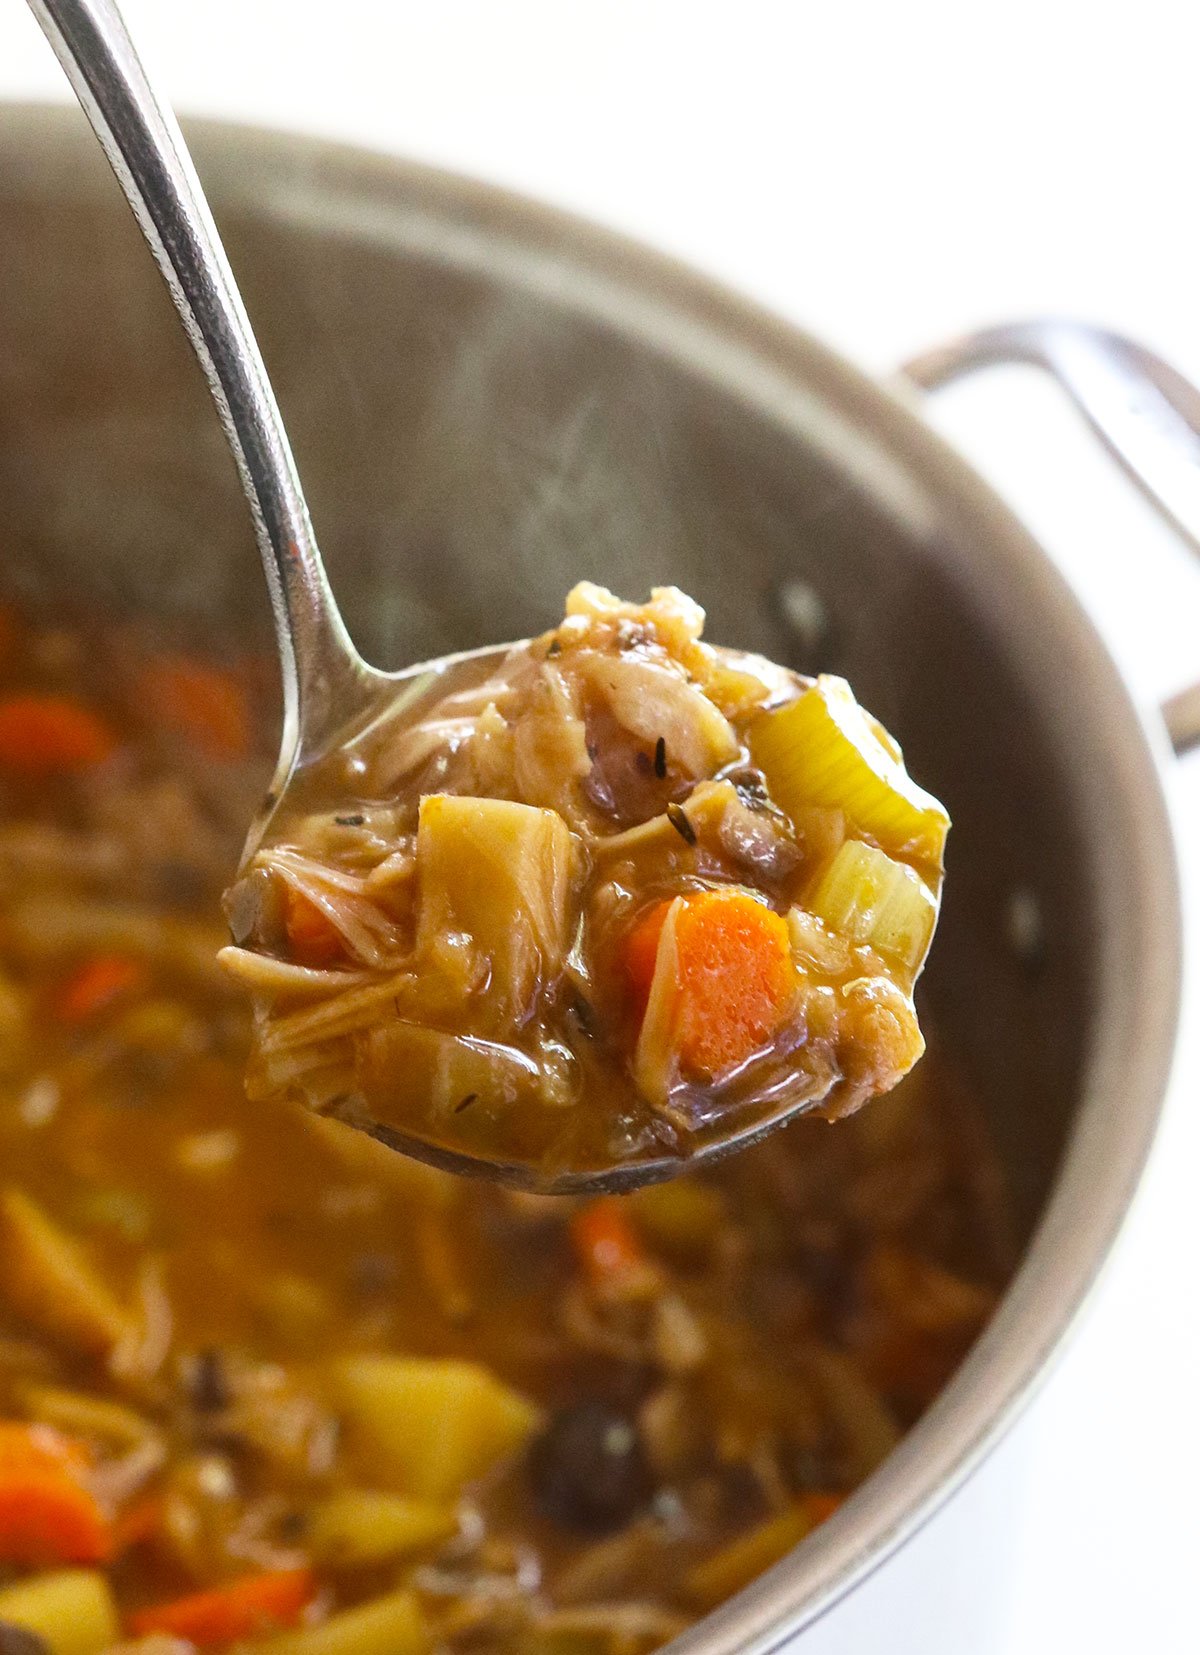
(72, 1610)
(361, 1525)
(683, 1217)
(821, 1507)
(139, 1522)
(727, 1571)
(85, 1414)
(865, 896)
(47, 1513)
(723, 983)
(204, 703)
(314, 939)
(399, 1057)
(243, 1609)
(588, 1469)
(499, 873)
(47, 1279)
(822, 749)
(610, 1251)
(391, 1625)
(427, 1427)
(96, 985)
(861, 1418)
(641, 951)
(51, 735)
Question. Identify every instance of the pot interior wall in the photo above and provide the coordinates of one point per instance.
(471, 445)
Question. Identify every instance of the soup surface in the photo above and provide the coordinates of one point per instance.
(614, 899)
(264, 1382)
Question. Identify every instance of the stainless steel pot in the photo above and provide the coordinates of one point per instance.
(489, 401)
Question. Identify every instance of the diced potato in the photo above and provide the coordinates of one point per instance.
(823, 749)
(399, 1061)
(72, 1610)
(737, 1564)
(48, 1280)
(361, 1525)
(865, 896)
(428, 1427)
(391, 1625)
(501, 873)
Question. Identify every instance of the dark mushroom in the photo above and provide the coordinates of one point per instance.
(589, 1471)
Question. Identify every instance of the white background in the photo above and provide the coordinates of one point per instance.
(885, 174)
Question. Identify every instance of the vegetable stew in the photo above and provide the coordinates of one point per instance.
(265, 1384)
(622, 898)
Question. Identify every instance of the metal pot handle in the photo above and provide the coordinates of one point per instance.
(1145, 413)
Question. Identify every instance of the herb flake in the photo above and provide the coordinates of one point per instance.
(678, 818)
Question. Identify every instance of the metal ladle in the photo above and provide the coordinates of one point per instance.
(329, 691)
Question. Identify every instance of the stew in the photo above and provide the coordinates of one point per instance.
(618, 899)
(265, 1384)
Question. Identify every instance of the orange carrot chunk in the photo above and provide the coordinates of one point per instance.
(23, 1445)
(139, 1522)
(47, 1514)
(313, 938)
(606, 1244)
(820, 1507)
(641, 951)
(94, 986)
(243, 1609)
(51, 735)
(734, 978)
(203, 703)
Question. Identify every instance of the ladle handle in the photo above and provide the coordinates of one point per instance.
(1144, 411)
(146, 150)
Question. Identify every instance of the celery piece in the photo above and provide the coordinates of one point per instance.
(391, 1625)
(72, 1610)
(500, 873)
(823, 749)
(427, 1427)
(48, 1280)
(866, 897)
(361, 1525)
(745, 1558)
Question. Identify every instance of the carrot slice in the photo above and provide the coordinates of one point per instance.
(47, 1515)
(732, 976)
(641, 951)
(50, 735)
(139, 1522)
(242, 1609)
(201, 702)
(606, 1243)
(24, 1445)
(820, 1507)
(95, 985)
(313, 938)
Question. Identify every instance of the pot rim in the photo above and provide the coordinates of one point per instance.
(1113, 758)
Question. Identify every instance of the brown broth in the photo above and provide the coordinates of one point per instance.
(784, 1318)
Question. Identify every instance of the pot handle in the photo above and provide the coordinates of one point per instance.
(1144, 412)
